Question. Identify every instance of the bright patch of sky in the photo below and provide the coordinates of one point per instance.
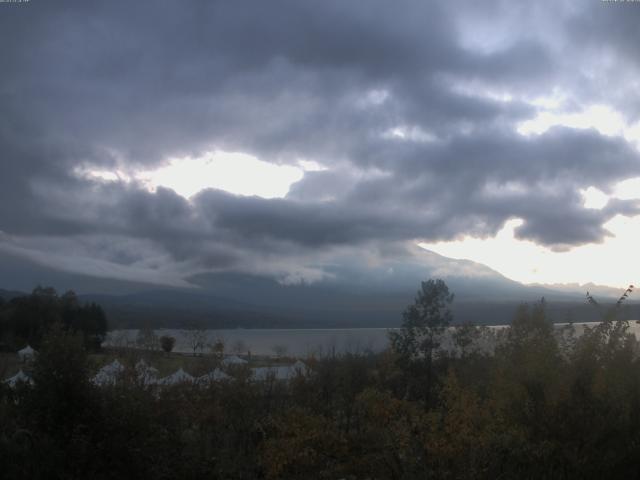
(478, 90)
(376, 97)
(602, 118)
(409, 133)
(594, 198)
(628, 189)
(233, 172)
(611, 263)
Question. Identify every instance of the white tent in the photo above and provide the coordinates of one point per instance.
(114, 367)
(177, 377)
(233, 360)
(19, 377)
(280, 372)
(214, 376)
(147, 374)
(300, 367)
(108, 375)
(27, 353)
(141, 365)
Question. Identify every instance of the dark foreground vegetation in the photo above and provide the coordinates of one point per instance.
(541, 403)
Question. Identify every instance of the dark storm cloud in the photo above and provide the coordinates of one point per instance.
(609, 36)
(150, 80)
(129, 85)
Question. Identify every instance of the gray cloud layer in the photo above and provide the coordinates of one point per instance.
(129, 85)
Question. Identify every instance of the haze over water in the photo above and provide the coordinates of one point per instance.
(300, 342)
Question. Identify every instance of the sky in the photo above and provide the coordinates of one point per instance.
(159, 141)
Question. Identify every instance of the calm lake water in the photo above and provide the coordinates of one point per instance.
(294, 342)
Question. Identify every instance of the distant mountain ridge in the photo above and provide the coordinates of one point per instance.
(9, 294)
(577, 288)
(354, 296)
(165, 308)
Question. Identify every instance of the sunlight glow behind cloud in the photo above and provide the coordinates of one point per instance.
(236, 173)
(594, 198)
(602, 118)
(609, 263)
(628, 189)
(612, 262)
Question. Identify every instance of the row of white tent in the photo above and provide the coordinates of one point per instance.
(148, 375)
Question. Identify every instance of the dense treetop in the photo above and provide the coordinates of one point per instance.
(25, 319)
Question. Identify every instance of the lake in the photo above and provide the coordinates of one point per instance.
(293, 342)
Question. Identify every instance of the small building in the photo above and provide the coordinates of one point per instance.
(108, 375)
(300, 368)
(177, 377)
(279, 372)
(27, 354)
(214, 376)
(262, 374)
(146, 373)
(233, 360)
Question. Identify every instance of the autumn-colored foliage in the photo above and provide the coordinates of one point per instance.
(542, 402)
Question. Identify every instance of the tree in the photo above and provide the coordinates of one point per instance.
(27, 318)
(167, 343)
(239, 347)
(279, 350)
(465, 337)
(63, 397)
(423, 324)
(218, 348)
(197, 339)
(147, 339)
